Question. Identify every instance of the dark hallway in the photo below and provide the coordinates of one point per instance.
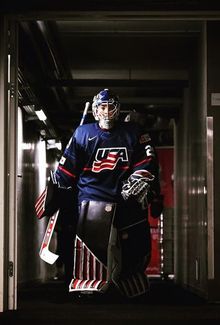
(49, 304)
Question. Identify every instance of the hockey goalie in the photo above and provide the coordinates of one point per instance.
(113, 167)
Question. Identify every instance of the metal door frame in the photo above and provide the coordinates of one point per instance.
(8, 163)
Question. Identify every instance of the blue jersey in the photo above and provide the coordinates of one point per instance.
(98, 160)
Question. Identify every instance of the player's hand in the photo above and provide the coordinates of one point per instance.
(137, 186)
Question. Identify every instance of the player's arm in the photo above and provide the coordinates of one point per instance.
(66, 171)
(147, 159)
(52, 198)
(61, 182)
(143, 184)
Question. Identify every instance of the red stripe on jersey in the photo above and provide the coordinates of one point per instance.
(122, 167)
(147, 160)
(66, 172)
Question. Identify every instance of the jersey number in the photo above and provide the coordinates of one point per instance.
(149, 151)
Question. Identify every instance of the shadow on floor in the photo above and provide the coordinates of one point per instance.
(50, 303)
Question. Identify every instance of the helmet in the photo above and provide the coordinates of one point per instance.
(106, 121)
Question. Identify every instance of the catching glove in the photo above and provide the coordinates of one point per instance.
(137, 186)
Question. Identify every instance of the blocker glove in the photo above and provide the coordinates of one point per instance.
(52, 198)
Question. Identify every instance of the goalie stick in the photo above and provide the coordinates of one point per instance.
(84, 113)
(45, 254)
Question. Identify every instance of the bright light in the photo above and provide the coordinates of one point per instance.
(59, 145)
(51, 144)
(27, 146)
(40, 114)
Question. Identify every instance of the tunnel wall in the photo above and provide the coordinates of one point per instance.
(32, 177)
(190, 178)
(213, 88)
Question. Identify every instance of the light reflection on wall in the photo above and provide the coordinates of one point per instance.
(20, 140)
(27, 146)
(31, 181)
(41, 164)
(41, 172)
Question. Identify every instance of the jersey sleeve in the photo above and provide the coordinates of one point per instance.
(145, 158)
(67, 170)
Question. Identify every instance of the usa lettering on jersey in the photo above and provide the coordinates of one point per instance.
(107, 158)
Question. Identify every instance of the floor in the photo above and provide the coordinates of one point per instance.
(50, 303)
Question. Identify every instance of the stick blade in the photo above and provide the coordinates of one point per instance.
(47, 256)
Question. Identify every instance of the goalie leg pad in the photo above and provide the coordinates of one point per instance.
(92, 265)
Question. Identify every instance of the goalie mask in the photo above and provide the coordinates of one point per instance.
(105, 108)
